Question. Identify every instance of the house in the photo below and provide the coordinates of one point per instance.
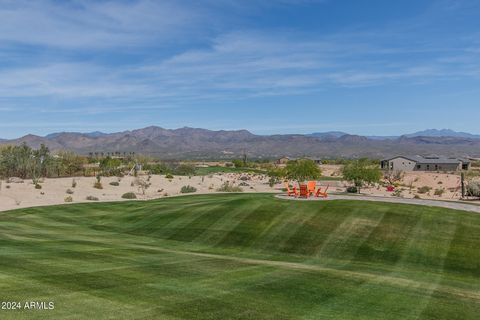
(428, 163)
(283, 160)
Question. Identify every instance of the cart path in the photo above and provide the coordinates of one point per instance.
(456, 205)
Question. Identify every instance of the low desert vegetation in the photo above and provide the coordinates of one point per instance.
(98, 183)
(129, 195)
(229, 187)
(114, 183)
(92, 198)
(188, 189)
(424, 189)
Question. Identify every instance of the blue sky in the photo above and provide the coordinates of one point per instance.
(370, 67)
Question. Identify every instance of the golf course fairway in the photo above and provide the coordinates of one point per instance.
(240, 256)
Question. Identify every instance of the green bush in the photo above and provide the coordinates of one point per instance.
(227, 187)
(37, 186)
(424, 189)
(188, 189)
(184, 170)
(68, 199)
(98, 185)
(69, 191)
(129, 195)
(157, 168)
(352, 190)
(92, 198)
(439, 192)
(114, 183)
(168, 176)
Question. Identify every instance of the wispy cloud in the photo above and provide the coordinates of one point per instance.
(93, 24)
(114, 57)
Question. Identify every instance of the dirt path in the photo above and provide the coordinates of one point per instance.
(456, 205)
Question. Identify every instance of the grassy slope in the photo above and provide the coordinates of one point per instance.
(242, 257)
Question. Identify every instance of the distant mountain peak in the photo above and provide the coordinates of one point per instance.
(442, 133)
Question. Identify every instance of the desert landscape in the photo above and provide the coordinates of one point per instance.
(239, 160)
(21, 193)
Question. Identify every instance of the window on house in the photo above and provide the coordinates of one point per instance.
(419, 166)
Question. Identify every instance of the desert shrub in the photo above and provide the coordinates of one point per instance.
(244, 184)
(74, 183)
(184, 170)
(238, 163)
(424, 189)
(142, 184)
(473, 189)
(245, 178)
(68, 199)
(168, 176)
(98, 183)
(272, 181)
(439, 192)
(227, 187)
(129, 195)
(69, 191)
(157, 168)
(92, 198)
(38, 186)
(114, 183)
(397, 193)
(188, 189)
(352, 189)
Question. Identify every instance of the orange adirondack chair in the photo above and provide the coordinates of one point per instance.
(291, 192)
(311, 185)
(321, 194)
(304, 192)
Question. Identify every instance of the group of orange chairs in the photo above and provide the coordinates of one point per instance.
(306, 190)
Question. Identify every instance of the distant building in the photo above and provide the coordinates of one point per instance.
(421, 163)
(283, 160)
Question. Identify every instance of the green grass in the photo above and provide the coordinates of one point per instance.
(204, 171)
(241, 256)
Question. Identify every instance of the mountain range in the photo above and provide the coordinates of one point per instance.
(195, 143)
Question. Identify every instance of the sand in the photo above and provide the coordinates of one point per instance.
(54, 191)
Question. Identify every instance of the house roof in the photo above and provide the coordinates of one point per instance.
(429, 159)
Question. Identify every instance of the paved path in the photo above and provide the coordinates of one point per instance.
(457, 205)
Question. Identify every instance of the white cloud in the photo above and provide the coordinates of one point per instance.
(92, 24)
